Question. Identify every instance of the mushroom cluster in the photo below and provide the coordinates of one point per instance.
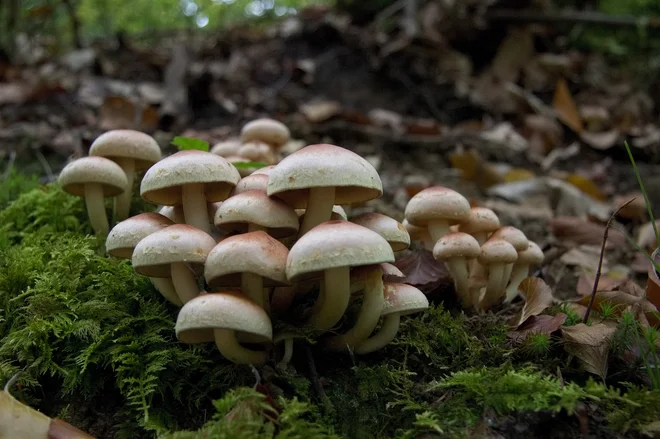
(236, 253)
(487, 261)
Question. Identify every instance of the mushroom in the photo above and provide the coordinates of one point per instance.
(338, 213)
(480, 223)
(269, 131)
(332, 248)
(218, 316)
(134, 152)
(400, 300)
(123, 238)
(252, 261)
(317, 177)
(226, 148)
(94, 178)
(393, 231)
(419, 234)
(391, 273)
(256, 182)
(496, 255)
(533, 255)
(437, 208)
(517, 239)
(254, 210)
(257, 151)
(176, 252)
(174, 213)
(456, 250)
(191, 178)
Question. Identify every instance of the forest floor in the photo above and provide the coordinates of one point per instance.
(509, 117)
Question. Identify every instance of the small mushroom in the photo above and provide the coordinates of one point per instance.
(331, 249)
(480, 223)
(419, 234)
(177, 252)
(257, 151)
(226, 148)
(252, 261)
(94, 178)
(253, 182)
(266, 130)
(393, 231)
(533, 255)
(437, 208)
(218, 317)
(517, 239)
(400, 300)
(496, 255)
(317, 177)
(191, 178)
(456, 250)
(134, 152)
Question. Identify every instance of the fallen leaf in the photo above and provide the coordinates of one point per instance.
(423, 271)
(579, 231)
(646, 236)
(473, 169)
(538, 296)
(587, 186)
(542, 324)
(519, 212)
(387, 119)
(601, 140)
(565, 107)
(618, 299)
(590, 345)
(517, 174)
(609, 281)
(118, 112)
(635, 210)
(514, 52)
(584, 256)
(571, 201)
(640, 263)
(507, 136)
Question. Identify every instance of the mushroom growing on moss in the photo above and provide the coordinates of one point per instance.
(496, 255)
(393, 231)
(456, 250)
(94, 178)
(533, 255)
(437, 208)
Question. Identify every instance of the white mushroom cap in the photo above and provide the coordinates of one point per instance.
(226, 148)
(480, 220)
(391, 272)
(162, 184)
(174, 213)
(533, 255)
(123, 237)
(456, 245)
(266, 170)
(98, 170)
(174, 244)
(266, 130)
(513, 236)
(254, 181)
(254, 252)
(225, 310)
(403, 299)
(354, 179)
(127, 144)
(256, 208)
(437, 203)
(336, 244)
(393, 231)
(497, 251)
(257, 152)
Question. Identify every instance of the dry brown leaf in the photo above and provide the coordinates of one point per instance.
(473, 169)
(635, 210)
(584, 257)
(595, 117)
(538, 296)
(571, 201)
(517, 174)
(579, 231)
(118, 112)
(646, 236)
(423, 271)
(590, 345)
(602, 140)
(543, 324)
(565, 107)
(587, 186)
(515, 51)
(609, 281)
(620, 300)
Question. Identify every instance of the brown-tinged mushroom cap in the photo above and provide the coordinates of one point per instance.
(127, 144)
(533, 255)
(266, 170)
(254, 181)
(513, 236)
(437, 208)
(123, 237)
(481, 222)
(254, 210)
(393, 231)
(257, 151)
(455, 250)
(98, 170)
(226, 148)
(266, 130)
(391, 273)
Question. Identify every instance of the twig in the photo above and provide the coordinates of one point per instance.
(572, 17)
(600, 259)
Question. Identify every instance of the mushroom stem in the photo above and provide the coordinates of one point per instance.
(288, 351)
(166, 288)
(459, 272)
(195, 210)
(319, 208)
(495, 274)
(255, 228)
(384, 336)
(438, 229)
(225, 340)
(96, 208)
(253, 287)
(184, 282)
(518, 274)
(335, 298)
(367, 319)
(123, 200)
(508, 269)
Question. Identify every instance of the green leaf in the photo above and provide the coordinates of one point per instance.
(185, 143)
(246, 165)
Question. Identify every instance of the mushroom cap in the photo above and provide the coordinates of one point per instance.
(174, 244)
(437, 203)
(129, 144)
(513, 236)
(174, 213)
(403, 299)
(266, 130)
(497, 251)
(533, 255)
(255, 207)
(163, 181)
(355, 180)
(416, 233)
(123, 237)
(255, 252)
(256, 151)
(226, 148)
(223, 310)
(393, 231)
(391, 271)
(456, 245)
(480, 220)
(266, 170)
(99, 170)
(254, 181)
(335, 244)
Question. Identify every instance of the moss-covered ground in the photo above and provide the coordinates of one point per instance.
(94, 344)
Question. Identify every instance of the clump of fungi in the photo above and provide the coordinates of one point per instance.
(237, 249)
